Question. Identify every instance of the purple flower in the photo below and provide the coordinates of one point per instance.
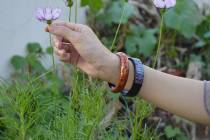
(164, 3)
(170, 3)
(48, 14)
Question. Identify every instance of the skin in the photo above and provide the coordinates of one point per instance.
(78, 45)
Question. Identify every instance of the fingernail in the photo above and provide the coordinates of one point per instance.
(56, 43)
(46, 29)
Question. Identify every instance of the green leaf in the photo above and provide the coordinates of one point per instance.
(207, 35)
(199, 44)
(195, 58)
(34, 48)
(182, 137)
(35, 63)
(185, 17)
(142, 38)
(49, 50)
(131, 43)
(94, 5)
(171, 132)
(18, 62)
(115, 11)
(147, 43)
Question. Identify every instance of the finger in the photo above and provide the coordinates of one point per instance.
(72, 26)
(67, 47)
(62, 31)
(59, 52)
(58, 38)
(46, 29)
(62, 55)
(57, 41)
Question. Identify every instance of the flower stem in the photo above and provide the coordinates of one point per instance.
(118, 28)
(53, 59)
(69, 14)
(76, 10)
(159, 41)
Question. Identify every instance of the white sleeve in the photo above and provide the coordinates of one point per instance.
(207, 96)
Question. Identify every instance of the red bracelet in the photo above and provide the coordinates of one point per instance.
(124, 72)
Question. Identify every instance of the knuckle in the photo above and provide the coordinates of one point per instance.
(61, 30)
(84, 28)
(56, 44)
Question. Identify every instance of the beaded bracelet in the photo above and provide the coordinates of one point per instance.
(138, 78)
(124, 72)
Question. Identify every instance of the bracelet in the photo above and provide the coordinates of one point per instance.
(138, 78)
(124, 72)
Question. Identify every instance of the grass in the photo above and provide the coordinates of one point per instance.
(39, 111)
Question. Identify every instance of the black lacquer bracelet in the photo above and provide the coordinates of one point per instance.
(138, 78)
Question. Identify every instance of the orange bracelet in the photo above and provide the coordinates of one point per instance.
(124, 72)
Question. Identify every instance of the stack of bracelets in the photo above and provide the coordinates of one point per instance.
(124, 73)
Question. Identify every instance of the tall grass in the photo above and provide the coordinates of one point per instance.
(40, 111)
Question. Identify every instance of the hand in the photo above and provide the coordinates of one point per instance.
(77, 44)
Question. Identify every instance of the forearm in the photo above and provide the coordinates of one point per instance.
(181, 96)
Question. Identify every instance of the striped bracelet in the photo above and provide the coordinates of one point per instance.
(124, 72)
(138, 78)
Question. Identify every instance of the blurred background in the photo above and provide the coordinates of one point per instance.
(19, 26)
(84, 108)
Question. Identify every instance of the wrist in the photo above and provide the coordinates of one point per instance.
(110, 71)
(130, 77)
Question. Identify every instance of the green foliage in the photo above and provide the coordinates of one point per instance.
(114, 11)
(18, 62)
(49, 50)
(38, 110)
(31, 63)
(41, 107)
(184, 18)
(203, 32)
(34, 48)
(94, 5)
(140, 40)
(172, 133)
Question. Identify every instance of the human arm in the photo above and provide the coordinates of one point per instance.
(181, 96)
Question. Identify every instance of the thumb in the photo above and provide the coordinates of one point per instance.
(61, 31)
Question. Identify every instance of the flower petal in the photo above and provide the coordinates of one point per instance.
(40, 14)
(48, 14)
(56, 13)
(159, 3)
(170, 3)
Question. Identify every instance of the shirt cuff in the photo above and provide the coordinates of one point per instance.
(207, 96)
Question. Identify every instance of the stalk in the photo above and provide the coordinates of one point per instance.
(69, 14)
(22, 126)
(118, 28)
(52, 55)
(159, 41)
